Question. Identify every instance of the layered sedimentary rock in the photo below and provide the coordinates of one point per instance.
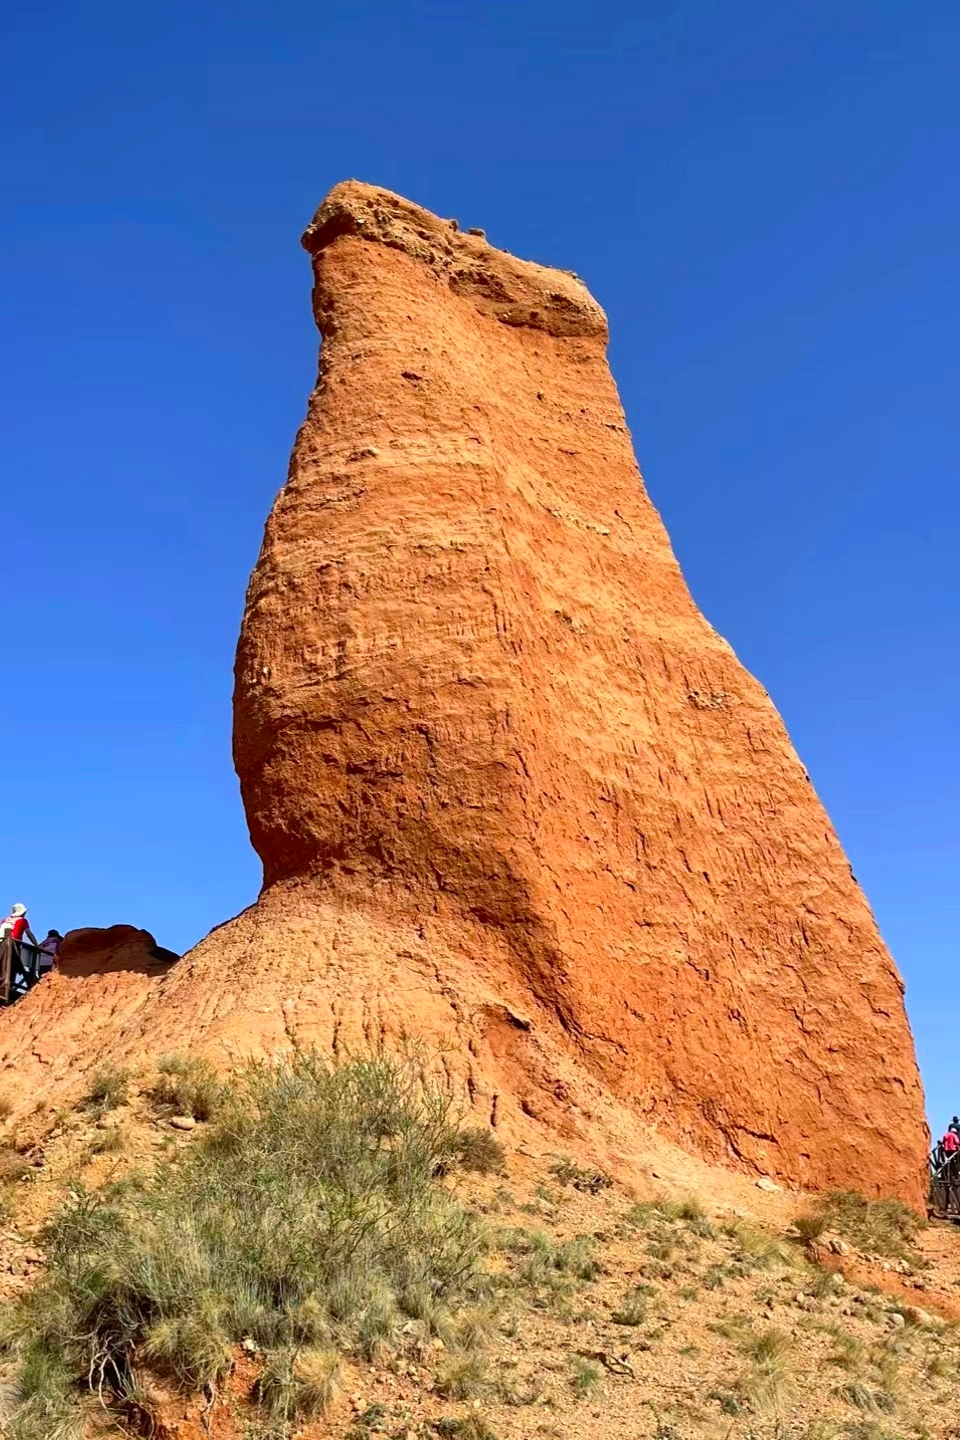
(475, 700)
(514, 796)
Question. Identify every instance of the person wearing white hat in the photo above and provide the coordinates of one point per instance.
(15, 924)
(16, 928)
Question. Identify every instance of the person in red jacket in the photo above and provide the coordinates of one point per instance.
(17, 926)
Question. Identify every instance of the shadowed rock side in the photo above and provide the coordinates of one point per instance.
(513, 795)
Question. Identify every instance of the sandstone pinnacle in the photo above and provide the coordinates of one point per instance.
(515, 798)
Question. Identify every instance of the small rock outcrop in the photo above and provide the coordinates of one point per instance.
(95, 951)
(514, 796)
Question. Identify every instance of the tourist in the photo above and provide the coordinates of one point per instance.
(15, 925)
(49, 950)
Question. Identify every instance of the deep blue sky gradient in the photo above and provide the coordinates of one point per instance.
(764, 198)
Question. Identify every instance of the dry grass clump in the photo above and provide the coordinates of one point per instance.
(544, 1263)
(590, 1182)
(867, 1397)
(468, 1427)
(7, 1106)
(769, 1383)
(462, 1377)
(107, 1142)
(849, 1351)
(877, 1227)
(632, 1309)
(664, 1207)
(478, 1150)
(755, 1249)
(825, 1283)
(297, 1386)
(188, 1085)
(307, 1220)
(108, 1089)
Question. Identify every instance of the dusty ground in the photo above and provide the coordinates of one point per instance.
(608, 1310)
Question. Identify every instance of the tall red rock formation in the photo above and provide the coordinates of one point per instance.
(474, 696)
(513, 794)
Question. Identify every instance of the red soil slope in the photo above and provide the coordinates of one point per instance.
(513, 794)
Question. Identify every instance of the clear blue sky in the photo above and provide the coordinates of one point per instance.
(762, 195)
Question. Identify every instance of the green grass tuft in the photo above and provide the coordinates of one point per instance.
(584, 1376)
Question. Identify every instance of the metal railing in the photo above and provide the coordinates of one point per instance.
(19, 968)
(944, 1198)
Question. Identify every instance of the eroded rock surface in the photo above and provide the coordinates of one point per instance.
(474, 695)
(513, 794)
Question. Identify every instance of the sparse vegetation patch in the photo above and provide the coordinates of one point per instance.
(189, 1085)
(108, 1089)
(306, 1222)
(876, 1227)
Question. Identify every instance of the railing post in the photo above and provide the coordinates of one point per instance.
(6, 969)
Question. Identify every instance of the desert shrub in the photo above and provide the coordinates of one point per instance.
(866, 1397)
(632, 1309)
(591, 1181)
(7, 1106)
(469, 1427)
(306, 1219)
(109, 1088)
(190, 1086)
(810, 1225)
(478, 1150)
(879, 1227)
